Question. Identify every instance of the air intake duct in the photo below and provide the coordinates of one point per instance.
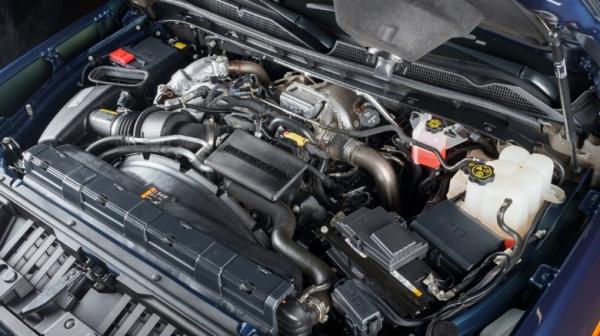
(153, 122)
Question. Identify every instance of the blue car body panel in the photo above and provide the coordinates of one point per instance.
(570, 305)
(576, 14)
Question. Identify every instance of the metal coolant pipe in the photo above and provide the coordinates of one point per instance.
(357, 153)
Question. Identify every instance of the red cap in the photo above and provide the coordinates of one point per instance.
(509, 243)
(121, 56)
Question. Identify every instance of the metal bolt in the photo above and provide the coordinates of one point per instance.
(90, 58)
(9, 276)
(70, 323)
(296, 209)
(324, 229)
(157, 33)
(71, 222)
(29, 110)
(138, 27)
(155, 277)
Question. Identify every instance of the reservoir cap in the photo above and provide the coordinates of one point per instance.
(434, 125)
(480, 173)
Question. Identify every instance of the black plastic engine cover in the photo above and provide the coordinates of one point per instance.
(248, 276)
(257, 165)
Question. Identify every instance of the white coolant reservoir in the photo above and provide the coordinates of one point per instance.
(523, 177)
(429, 131)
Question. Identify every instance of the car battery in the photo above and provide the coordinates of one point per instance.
(153, 55)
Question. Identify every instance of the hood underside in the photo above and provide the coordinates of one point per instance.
(409, 29)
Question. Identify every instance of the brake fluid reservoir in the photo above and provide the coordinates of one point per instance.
(429, 131)
(523, 177)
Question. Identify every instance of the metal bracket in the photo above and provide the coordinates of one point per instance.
(53, 57)
(51, 292)
(145, 5)
(385, 63)
(543, 276)
(590, 203)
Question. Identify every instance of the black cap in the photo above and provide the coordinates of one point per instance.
(434, 125)
(480, 173)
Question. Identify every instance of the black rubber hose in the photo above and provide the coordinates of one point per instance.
(251, 104)
(284, 225)
(295, 318)
(292, 125)
(321, 195)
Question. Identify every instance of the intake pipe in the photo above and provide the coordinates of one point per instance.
(284, 225)
(343, 148)
(239, 67)
(297, 315)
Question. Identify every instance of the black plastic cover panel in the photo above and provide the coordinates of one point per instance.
(460, 241)
(246, 285)
(383, 237)
(408, 29)
(257, 165)
(68, 124)
(363, 318)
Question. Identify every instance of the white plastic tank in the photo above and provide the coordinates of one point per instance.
(516, 174)
(429, 131)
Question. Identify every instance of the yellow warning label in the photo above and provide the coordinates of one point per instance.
(180, 45)
(154, 195)
(297, 138)
(148, 192)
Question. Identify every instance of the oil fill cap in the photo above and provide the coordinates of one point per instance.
(480, 173)
(434, 125)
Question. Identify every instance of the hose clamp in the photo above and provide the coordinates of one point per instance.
(319, 307)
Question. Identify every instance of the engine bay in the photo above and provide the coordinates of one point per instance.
(308, 205)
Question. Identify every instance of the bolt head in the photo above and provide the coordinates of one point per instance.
(155, 277)
(70, 323)
(9, 276)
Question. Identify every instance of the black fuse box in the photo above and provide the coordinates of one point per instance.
(458, 241)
